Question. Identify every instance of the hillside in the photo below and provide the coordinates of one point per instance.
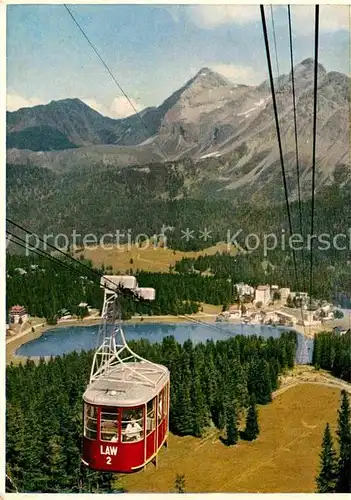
(227, 130)
(143, 200)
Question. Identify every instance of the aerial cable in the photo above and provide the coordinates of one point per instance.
(277, 64)
(113, 78)
(91, 270)
(265, 34)
(23, 244)
(124, 291)
(71, 268)
(41, 253)
(163, 154)
(275, 47)
(295, 131)
(314, 140)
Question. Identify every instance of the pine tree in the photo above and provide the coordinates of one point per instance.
(259, 382)
(252, 428)
(232, 426)
(344, 435)
(179, 483)
(326, 479)
(183, 411)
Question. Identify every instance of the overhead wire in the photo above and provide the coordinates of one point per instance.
(65, 254)
(295, 117)
(41, 253)
(314, 141)
(142, 121)
(24, 244)
(279, 82)
(275, 109)
(275, 45)
(137, 113)
(278, 90)
(296, 138)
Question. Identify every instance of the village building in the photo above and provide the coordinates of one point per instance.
(244, 289)
(284, 294)
(18, 314)
(284, 317)
(310, 318)
(263, 294)
(271, 317)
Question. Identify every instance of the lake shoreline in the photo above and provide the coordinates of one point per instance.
(14, 343)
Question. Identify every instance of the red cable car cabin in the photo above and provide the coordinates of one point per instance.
(126, 417)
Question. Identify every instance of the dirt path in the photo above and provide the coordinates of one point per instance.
(311, 376)
(25, 332)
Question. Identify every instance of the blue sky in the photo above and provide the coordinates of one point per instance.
(153, 49)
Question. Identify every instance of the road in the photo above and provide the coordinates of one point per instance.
(25, 332)
(310, 376)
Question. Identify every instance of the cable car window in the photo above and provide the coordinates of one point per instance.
(150, 416)
(161, 406)
(90, 421)
(109, 424)
(132, 425)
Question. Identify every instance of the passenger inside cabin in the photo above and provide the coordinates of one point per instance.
(133, 431)
(114, 438)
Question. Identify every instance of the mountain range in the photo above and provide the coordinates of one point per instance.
(226, 131)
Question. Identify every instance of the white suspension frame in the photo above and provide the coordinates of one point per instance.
(109, 355)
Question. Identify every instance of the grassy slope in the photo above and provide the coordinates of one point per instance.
(149, 259)
(284, 459)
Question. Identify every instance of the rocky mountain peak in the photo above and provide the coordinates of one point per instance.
(306, 68)
(208, 78)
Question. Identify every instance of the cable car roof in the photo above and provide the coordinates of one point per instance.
(127, 384)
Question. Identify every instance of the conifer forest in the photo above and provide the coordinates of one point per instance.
(210, 384)
(216, 384)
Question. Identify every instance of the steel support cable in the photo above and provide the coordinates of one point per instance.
(142, 121)
(278, 73)
(70, 268)
(163, 154)
(124, 291)
(277, 63)
(265, 34)
(41, 253)
(314, 140)
(23, 244)
(91, 270)
(275, 45)
(295, 133)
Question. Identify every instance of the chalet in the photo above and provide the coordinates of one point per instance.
(18, 314)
